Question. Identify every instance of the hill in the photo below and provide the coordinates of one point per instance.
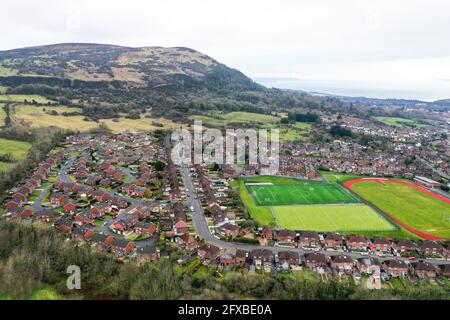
(109, 82)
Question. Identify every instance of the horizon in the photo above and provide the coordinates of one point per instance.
(364, 49)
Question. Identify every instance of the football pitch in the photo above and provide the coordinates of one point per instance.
(421, 211)
(331, 218)
(300, 194)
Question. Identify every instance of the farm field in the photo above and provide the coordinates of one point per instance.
(416, 209)
(331, 218)
(306, 193)
(37, 117)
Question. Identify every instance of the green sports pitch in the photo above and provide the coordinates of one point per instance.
(331, 218)
(306, 193)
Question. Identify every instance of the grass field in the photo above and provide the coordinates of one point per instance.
(37, 117)
(400, 122)
(262, 214)
(3, 89)
(2, 115)
(336, 177)
(327, 218)
(22, 98)
(236, 117)
(412, 207)
(306, 193)
(331, 218)
(288, 133)
(18, 150)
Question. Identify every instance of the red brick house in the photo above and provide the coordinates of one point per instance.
(144, 228)
(181, 227)
(12, 204)
(315, 260)
(100, 196)
(404, 247)
(309, 239)
(395, 268)
(430, 248)
(208, 253)
(147, 254)
(289, 260)
(359, 243)
(121, 248)
(424, 270)
(342, 263)
(69, 206)
(229, 230)
(267, 233)
(19, 213)
(381, 244)
(187, 242)
(64, 226)
(241, 257)
(333, 241)
(286, 236)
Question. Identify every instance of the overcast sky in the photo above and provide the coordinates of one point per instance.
(386, 48)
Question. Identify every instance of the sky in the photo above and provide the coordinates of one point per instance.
(376, 48)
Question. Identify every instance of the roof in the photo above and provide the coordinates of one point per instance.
(342, 258)
(146, 250)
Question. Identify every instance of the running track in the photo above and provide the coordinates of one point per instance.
(421, 234)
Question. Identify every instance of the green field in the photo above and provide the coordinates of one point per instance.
(401, 122)
(18, 150)
(412, 207)
(337, 177)
(305, 193)
(288, 132)
(2, 115)
(262, 214)
(22, 98)
(331, 218)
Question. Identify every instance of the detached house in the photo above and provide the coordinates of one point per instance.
(144, 228)
(208, 253)
(187, 242)
(229, 230)
(19, 213)
(121, 248)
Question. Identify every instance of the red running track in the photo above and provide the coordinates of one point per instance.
(421, 234)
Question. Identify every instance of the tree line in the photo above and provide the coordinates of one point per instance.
(35, 256)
